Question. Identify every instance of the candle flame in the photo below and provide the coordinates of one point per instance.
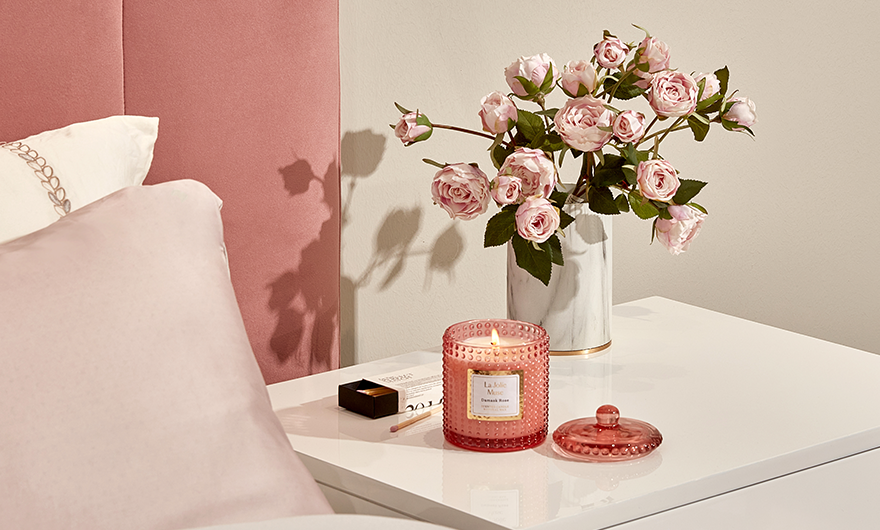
(495, 339)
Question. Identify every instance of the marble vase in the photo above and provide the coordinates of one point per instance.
(575, 308)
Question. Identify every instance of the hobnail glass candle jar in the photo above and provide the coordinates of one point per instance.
(495, 392)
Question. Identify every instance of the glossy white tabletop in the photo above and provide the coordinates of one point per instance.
(737, 403)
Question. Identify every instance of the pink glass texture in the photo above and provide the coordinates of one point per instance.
(523, 346)
(606, 437)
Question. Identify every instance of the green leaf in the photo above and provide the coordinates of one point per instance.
(498, 139)
(723, 75)
(550, 113)
(500, 228)
(531, 88)
(558, 198)
(602, 201)
(553, 247)
(698, 127)
(535, 262)
(664, 214)
(565, 219)
(625, 91)
(433, 163)
(562, 152)
(698, 207)
(687, 191)
(634, 156)
(641, 206)
(554, 142)
(622, 203)
(708, 102)
(401, 109)
(538, 141)
(629, 173)
(731, 125)
(547, 84)
(612, 109)
(647, 33)
(529, 124)
(499, 154)
(609, 172)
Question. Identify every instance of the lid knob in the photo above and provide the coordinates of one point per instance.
(607, 416)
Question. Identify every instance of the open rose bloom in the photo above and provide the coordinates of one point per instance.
(537, 219)
(536, 172)
(462, 190)
(629, 126)
(677, 233)
(673, 94)
(610, 53)
(657, 180)
(583, 123)
(506, 189)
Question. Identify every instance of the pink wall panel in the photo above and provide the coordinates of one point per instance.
(247, 95)
(61, 63)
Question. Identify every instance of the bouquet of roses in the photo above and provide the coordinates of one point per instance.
(621, 168)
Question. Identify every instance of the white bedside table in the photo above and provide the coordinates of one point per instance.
(738, 404)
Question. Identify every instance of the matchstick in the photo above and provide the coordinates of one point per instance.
(407, 423)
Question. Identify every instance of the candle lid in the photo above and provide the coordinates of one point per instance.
(606, 437)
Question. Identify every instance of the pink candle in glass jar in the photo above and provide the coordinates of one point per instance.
(496, 376)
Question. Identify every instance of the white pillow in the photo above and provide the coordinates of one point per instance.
(129, 393)
(76, 165)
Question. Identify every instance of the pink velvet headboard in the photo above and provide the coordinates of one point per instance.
(247, 94)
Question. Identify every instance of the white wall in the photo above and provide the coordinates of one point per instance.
(793, 236)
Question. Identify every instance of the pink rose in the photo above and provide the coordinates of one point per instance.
(496, 112)
(506, 189)
(711, 87)
(629, 126)
(462, 190)
(577, 74)
(677, 233)
(657, 180)
(742, 112)
(610, 53)
(655, 53)
(533, 68)
(533, 168)
(536, 219)
(413, 127)
(673, 94)
(578, 122)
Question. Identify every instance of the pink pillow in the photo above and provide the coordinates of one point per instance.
(130, 394)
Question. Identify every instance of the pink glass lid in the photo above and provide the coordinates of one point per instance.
(606, 437)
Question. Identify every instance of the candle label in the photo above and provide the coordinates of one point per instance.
(495, 395)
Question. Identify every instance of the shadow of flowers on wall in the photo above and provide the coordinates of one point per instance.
(306, 313)
(394, 243)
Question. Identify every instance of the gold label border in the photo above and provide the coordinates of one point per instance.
(470, 396)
